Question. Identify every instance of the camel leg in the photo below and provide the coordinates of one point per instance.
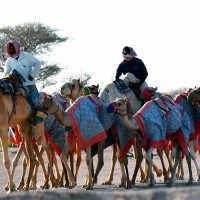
(78, 162)
(188, 158)
(100, 163)
(128, 182)
(49, 153)
(40, 138)
(169, 159)
(34, 178)
(61, 183)
(71, 158)
(6, 161)
(89, 165)
(114, 160)
(63, 156)
(15, 163)
(177, 160)
(123, 174)
(24, 167)
(31, 158)
(193, 156)
(180, 173)
(165, 172)
(55, 163)
(41, 162)
(139, 158)
(150, 164)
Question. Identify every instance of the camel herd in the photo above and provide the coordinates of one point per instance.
(91, 123)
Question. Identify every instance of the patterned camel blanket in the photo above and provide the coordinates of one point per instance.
(158, 117)
(112, 124)
(55, 134)
(87, 128)
(181, 99)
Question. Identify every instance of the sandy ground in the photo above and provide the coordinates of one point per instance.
(179, 191)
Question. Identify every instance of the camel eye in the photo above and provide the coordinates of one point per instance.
(73, 85)
(119, 104)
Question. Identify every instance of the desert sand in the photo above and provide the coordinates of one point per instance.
(141, 191)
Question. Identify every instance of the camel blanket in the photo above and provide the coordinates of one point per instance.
(156, 118)
(87, 128)
(55, 133)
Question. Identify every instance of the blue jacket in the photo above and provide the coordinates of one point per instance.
(26, 65)
(135, 66)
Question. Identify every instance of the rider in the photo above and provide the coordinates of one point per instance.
(26, 65)
(137, 72)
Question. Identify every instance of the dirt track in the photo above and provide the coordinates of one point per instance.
(140, 191)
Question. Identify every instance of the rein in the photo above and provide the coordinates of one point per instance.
(55, 110)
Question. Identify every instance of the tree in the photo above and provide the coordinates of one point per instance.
(84, 78)
(35, 38)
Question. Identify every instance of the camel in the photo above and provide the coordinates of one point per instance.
(15, 111)
(154, 129)
(193, 113)
(67, 120)
(108, 94)
(74, 90)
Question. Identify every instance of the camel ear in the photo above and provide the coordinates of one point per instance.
(98, 85)
(125, 99)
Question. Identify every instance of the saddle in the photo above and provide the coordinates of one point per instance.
(13, 85)
(124, 87)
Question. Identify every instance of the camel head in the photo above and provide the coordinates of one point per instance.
(194, 97)
(148, 93)
(72, 89)
(48, 105)
(121, 105)
(94, 89)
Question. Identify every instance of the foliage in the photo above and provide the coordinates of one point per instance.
(84, 78)
(46, 74)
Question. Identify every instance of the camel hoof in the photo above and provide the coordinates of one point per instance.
(33, 187)
(6, 188)
(122, 184)
(189, 182)
(198, 179)
(129, 185)
(169, 183)
(61, 185)
(152, 183)
(45, 186)
(72, 186)
(108, 182)
(94, 181)
(88, 188)
(12, 189)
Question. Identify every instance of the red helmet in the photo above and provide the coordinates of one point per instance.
(12, 49)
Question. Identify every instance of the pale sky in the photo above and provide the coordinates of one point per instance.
(164, 33)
